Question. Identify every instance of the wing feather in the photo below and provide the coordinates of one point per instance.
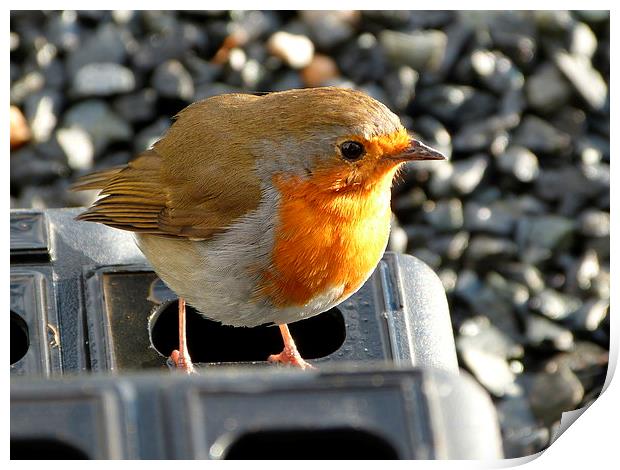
(158, 193)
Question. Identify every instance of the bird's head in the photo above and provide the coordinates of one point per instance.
(334, 138)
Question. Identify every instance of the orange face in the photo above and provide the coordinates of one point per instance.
(378, 162)
(333, 226)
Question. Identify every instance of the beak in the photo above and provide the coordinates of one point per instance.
(419, 151)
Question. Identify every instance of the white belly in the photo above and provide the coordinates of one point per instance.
(219, 276)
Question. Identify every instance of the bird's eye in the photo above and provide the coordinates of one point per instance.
(352, 150)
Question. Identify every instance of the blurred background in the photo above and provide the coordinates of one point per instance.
(516, 224)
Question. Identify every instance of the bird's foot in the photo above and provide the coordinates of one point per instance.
(290, 357)
(182, 361)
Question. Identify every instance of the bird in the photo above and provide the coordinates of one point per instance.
(262, 208)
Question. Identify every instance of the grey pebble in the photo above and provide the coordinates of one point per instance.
(519, 162)
(497, 218)
(151, 134)
(538, 135)
(101, 123)
(172, 80)
(545, 334)
(554, 304)
(586, 80)
(468, 173)
(445, 215)
(102, 79)
(594, 223)
(42, 111)
(137, 107)
(547, 89)
(551, 393)
(105, 45)
(421, 50)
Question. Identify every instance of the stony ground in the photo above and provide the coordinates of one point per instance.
(516, 224)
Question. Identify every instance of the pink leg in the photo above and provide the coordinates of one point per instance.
(289, 355)
(180, 356)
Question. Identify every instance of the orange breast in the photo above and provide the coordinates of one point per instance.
(326, 240)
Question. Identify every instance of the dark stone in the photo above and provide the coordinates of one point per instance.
(254, 24)
(458, 34)
(481, 135)
(497, 218)
(540, 136)
(445, 215)
(167, 45)
(541, 236)
(151, 134)
(328, 28)
(547, 335)
(588, 361)
(450, 246)
(547, 89)
(455, 103)
(514, 293)
(29, 169)
(137, 107)
(520, 163)
(570, 120)
(552, 392)
(362, 60)
(511, 107)
(521, 432)
(524, 274)
(63, 30)
(202, 71)
(105, 45)
(172, 80)
(483, 247)
(514, 35)
(568, 181)
(400, 86)
(496, 71)
(54, 74)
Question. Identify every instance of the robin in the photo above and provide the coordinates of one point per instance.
(262, 209)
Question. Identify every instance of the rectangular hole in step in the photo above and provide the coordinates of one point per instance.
(144, 328)
(20, 338)
(320, 444)
(44, 449)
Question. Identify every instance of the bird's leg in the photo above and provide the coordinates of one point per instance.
(289, 355)
(180, 356)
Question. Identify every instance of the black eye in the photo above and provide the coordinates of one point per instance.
(352, 150)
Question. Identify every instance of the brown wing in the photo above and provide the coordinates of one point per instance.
(131, 197)
(192, 184)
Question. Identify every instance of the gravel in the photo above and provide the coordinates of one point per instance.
(516, 223)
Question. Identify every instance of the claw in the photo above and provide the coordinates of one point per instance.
(182, 361)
